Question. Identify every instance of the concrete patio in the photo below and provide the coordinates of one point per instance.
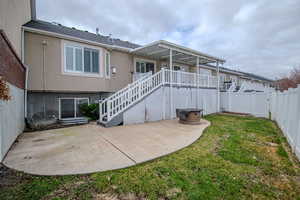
(92, 148)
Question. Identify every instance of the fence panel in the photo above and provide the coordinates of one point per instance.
(255, 103)
(284, 108)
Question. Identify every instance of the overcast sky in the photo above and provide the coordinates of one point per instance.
(258, 36)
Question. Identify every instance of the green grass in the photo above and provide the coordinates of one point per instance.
(236, 158)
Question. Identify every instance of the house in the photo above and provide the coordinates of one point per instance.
(51, 69)
(68, 67)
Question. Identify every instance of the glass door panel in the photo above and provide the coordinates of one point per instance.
(67, 107)
(150, 67)
(143, 67)
(79, 102)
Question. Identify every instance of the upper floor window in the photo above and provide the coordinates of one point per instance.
(80, 59)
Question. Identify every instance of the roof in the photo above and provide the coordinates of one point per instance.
(152, 48)
(73, 32)
(246, 74)
(161, 50)
(257, 77)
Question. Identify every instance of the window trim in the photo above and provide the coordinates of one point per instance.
(144, 60)
(107, 73)
(75, 109)
(82, 47)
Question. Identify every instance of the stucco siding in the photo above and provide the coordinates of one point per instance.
(123, 62)
(13, 14)
(55, 79)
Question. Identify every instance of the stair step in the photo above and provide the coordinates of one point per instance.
(74, 121)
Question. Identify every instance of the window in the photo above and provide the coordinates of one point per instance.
(107, 65)
(91, 60)
(81, 60)
(176, 68)
(70, 107)
(144, 67)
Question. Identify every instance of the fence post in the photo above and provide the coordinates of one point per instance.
(297, 140)
(229, 101)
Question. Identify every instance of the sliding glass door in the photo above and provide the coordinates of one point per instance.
(70, 107)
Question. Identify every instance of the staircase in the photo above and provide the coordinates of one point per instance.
(112, 108)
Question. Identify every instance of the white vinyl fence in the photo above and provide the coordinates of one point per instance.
(283, 107)
(254, 103)
(11, 119)
(285, 110)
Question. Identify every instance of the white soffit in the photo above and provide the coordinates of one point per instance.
(160, 50)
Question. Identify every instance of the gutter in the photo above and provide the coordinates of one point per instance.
(62, 36)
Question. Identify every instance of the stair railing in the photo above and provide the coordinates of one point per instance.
(134, 92)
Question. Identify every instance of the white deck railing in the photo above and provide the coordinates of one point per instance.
(124, 98)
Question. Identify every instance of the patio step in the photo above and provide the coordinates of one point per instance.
(73, 121)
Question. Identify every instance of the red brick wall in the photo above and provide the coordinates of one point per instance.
(11, 67)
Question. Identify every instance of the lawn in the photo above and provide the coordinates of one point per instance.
(236, 158)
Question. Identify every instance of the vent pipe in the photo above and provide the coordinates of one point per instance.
(33, 9)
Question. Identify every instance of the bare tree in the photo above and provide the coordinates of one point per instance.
(295, 75)
(290, 81)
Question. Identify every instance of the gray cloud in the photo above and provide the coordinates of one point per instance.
(258, 36)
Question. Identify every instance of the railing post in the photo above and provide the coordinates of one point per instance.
(140, 90)
(100, 111)
(108, 109)
(208, 80)
(163, 74)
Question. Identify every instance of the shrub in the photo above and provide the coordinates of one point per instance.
(4, 90)
(90, 110)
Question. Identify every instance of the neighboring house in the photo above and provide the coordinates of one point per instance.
(13, 14)
(68, 67)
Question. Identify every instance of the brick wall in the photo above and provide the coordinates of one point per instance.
(11, 67)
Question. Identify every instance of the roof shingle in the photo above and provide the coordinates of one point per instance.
(60, 29)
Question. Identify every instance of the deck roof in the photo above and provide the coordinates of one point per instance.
(161, 50)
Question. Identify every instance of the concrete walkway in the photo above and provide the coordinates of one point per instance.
(92, 148)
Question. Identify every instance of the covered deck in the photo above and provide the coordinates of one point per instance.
(166, 51)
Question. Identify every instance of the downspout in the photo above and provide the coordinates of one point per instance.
(44, 44)
(26, 72)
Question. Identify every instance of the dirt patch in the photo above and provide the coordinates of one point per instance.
(9, 177)
(236, 114)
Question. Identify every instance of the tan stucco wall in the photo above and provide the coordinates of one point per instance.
(56, 80)
(13, 14)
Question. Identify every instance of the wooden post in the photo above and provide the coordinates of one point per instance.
(218, 87)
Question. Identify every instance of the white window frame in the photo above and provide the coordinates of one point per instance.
(144, 60)
(75, 108)
(73, 72)
(107, 73)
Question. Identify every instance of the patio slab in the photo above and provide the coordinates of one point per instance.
(92, 148)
